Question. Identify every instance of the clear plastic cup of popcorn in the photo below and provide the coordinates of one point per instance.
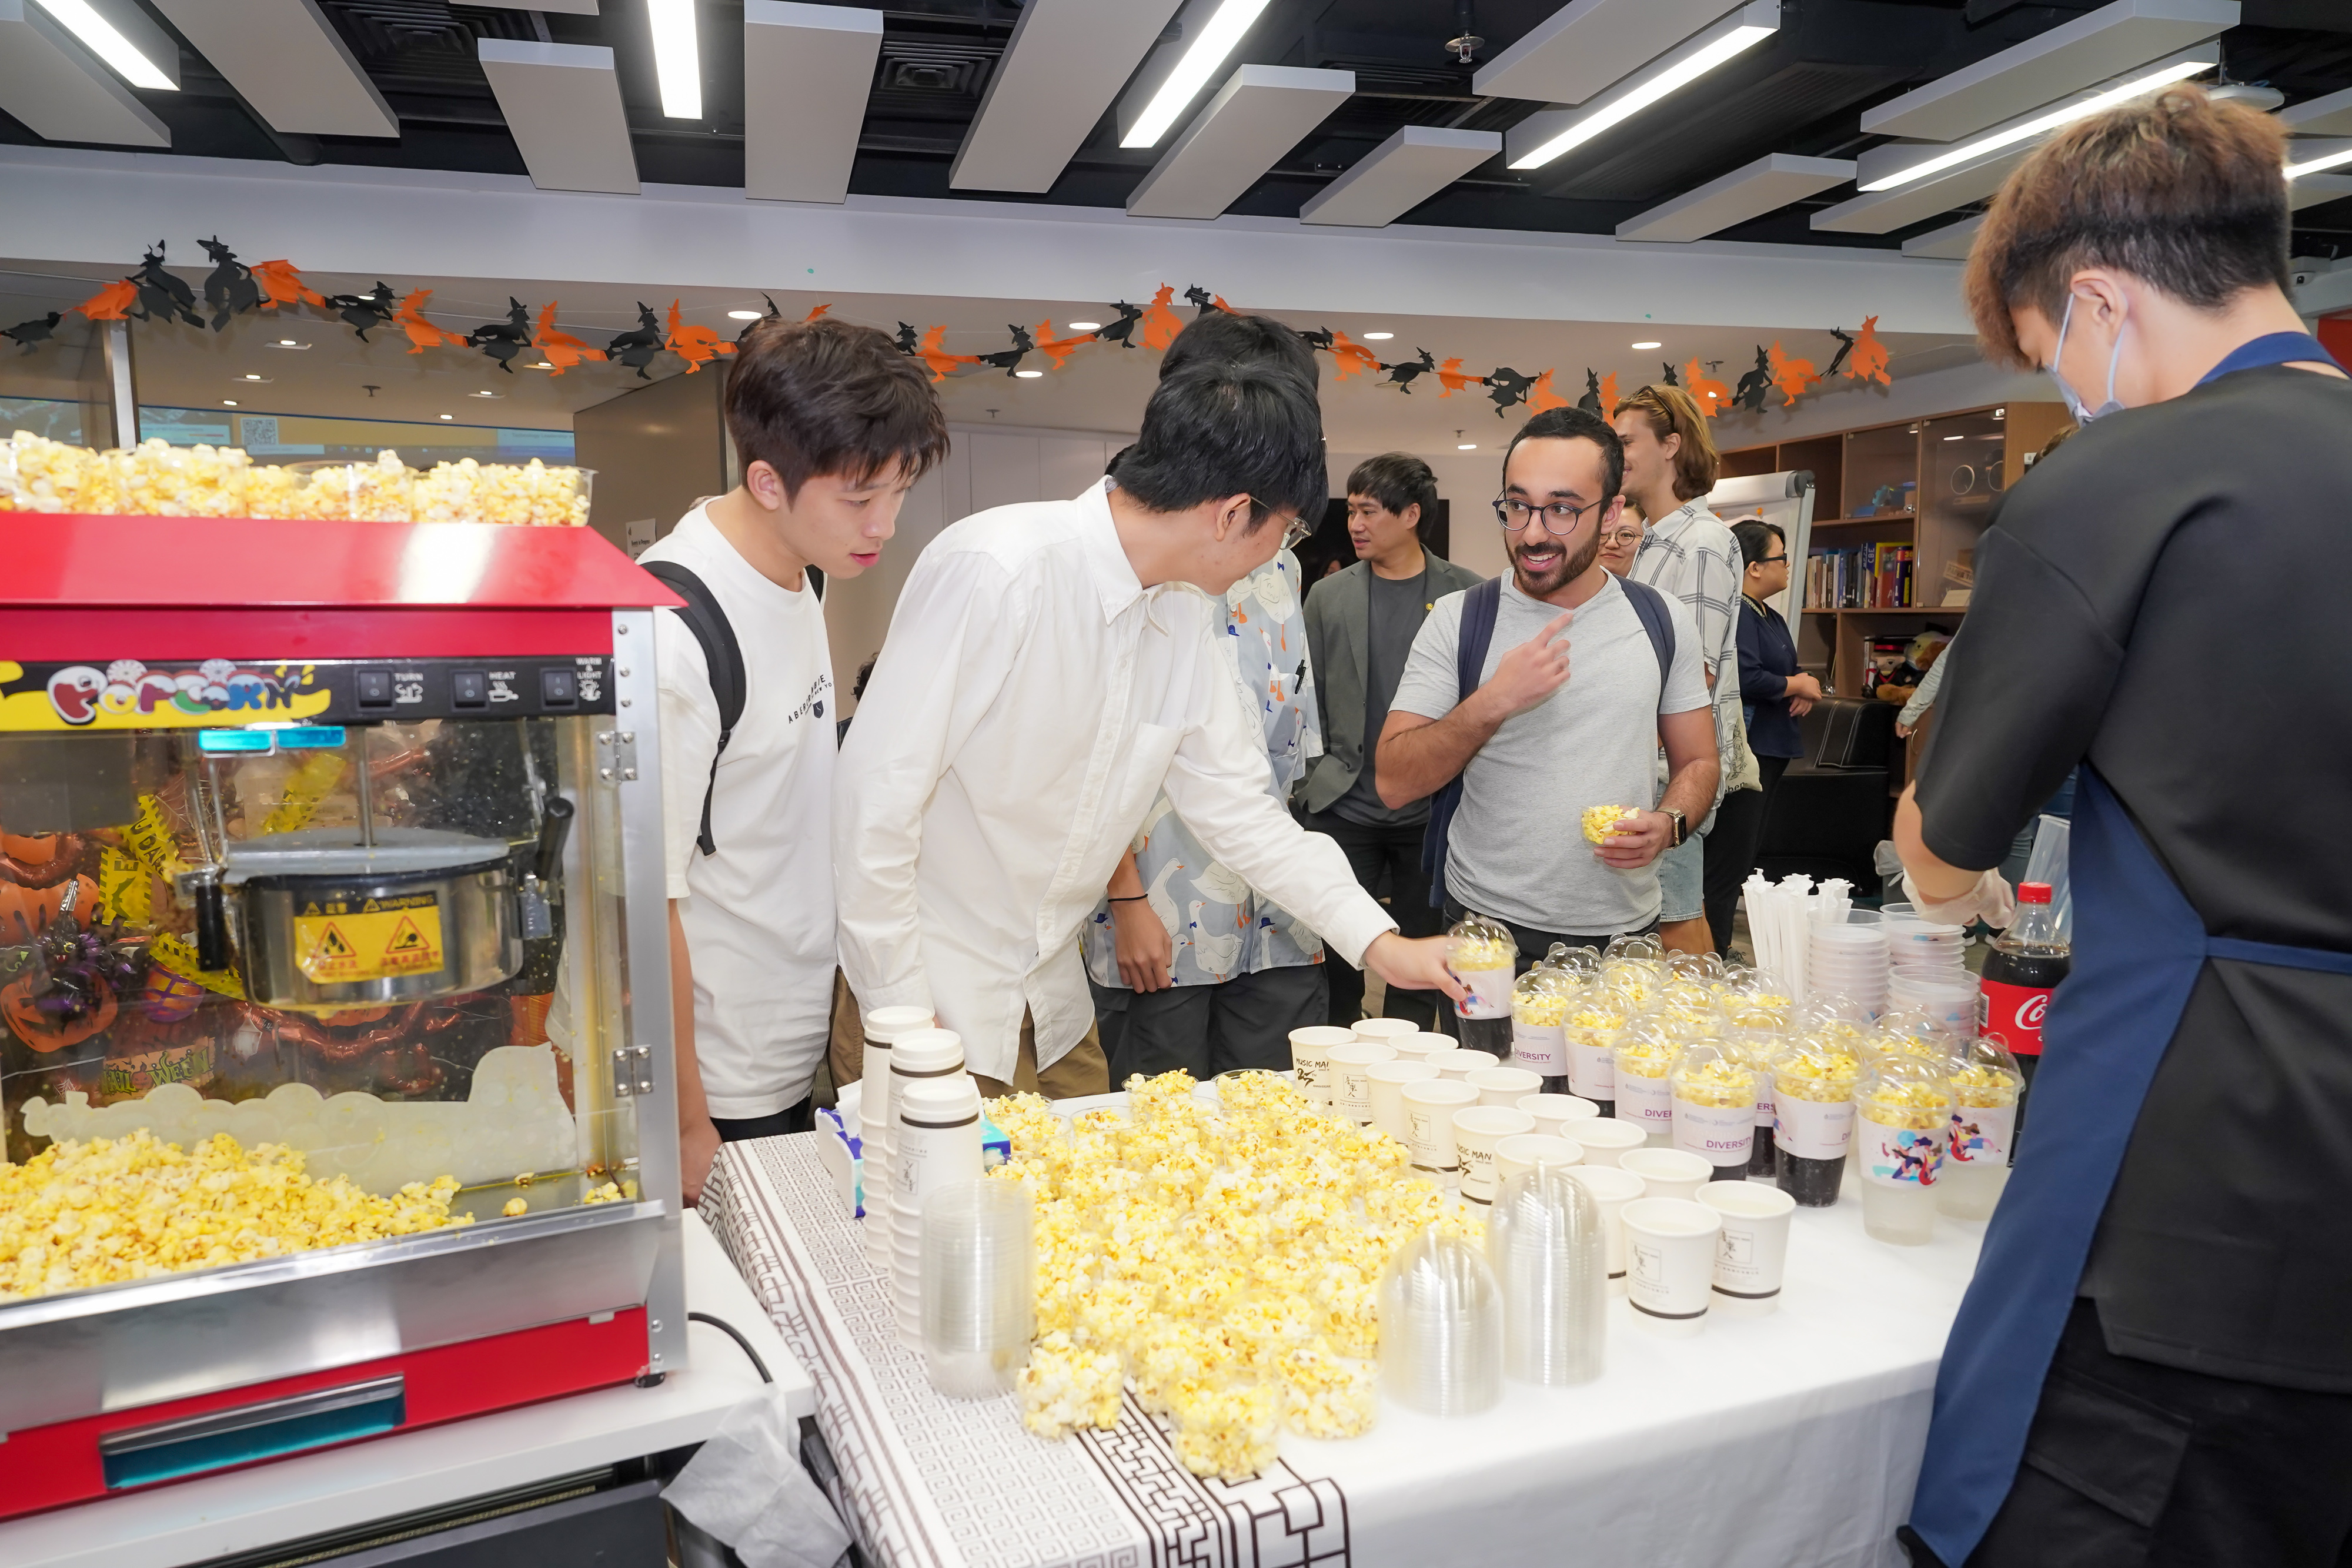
(1540, 1000)
(1714, 1096)
(1813, 1114)
(1644, 1060)
(1904, 1114)
(1986, 1084)
(1484, 958)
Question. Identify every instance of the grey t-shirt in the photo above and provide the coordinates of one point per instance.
(1516, 847)
(1394, 610)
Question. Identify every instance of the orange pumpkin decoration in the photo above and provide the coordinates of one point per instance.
(19, 1006)
(27, 912)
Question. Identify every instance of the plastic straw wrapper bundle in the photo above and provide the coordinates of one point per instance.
(1780, 916)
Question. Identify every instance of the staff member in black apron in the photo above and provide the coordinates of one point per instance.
(2154, 1363)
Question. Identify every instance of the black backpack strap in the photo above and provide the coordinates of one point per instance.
(1479, 607)
(1650, 607)
(722, 654)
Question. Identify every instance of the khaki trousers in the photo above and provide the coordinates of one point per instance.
(1083, 1070)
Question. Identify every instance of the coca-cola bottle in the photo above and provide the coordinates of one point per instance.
(2026, 964)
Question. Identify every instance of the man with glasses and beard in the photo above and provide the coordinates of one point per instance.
(1531, 698)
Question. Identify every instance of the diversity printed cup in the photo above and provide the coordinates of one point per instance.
(1523, 1152)
(1559, 1113)
(1612, 1190)
(1667, 1173)
(1812, 1108)
(1477, 1130)
(1441, 1327)
(1714, 1108)
(1505, 1086)
(1646, 1057)
(1429, 1109)
(1670, 1247)
(1459, 1065)
(1606, 1140)
(1310, 1059)
(1752, 1253)
(1544, 1240)
(1482, 956)
(1385, 1082)
(1905, 1111)
(1591, 1030)
(1540, 1003)
(1351, 1092)
(1985, 1088)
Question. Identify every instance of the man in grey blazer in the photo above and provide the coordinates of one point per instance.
(1360, 623)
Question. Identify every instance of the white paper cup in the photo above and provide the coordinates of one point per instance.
(1459, 1065)
(1559, 1114)
(1670, 1247)
(1607, 1140)
(1476, 1131)
(1310, 1059)
(1669, 1173)
(1504, 1086)
(1612, 1190)
(1429, 1108)
(1351, 1093)
(1523, 1152)
(1385, 1082)
(1384, 1031)
(1420, 1047)
(1753, 1252)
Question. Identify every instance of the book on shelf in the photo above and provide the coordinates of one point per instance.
(1861, 577)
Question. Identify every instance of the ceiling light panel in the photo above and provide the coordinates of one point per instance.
(806, 71)
(2317, 189)
(2307, 159)
(561, 103)
(1883, 212)
(677, 56)
(1586, 45)
(1065, 62)
(1767, 184)
(60, 90)
(2328, 116)
(1260, 114)
(128, 40)
(1949, 243)
(1548, 134)
(1181, 69)
(2108, 42)
(1400, 173)
(287, 61)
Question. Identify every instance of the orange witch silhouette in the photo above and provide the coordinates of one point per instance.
(1541, 395)
(1451, 378)
(942, 364)
(281, 284)
(111, 303)
(1057, 350)
(1160, 323)
(695, 345)
(424, 334)
(1608, 394)
(1350, 359)
(1869, 357)
(1711, 395)
(562, 350)
(1791, 376)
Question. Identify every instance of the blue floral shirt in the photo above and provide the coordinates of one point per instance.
(1217, 925)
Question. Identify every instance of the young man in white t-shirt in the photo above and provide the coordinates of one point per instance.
(833, 425)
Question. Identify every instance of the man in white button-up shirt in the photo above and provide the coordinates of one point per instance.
(1050, 668)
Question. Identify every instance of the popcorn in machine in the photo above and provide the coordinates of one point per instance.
(334, 1009)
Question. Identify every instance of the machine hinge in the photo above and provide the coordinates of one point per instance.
(616, 756)
(633, 1071)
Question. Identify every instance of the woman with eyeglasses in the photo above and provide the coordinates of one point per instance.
(1775, 695)
(1620, 541)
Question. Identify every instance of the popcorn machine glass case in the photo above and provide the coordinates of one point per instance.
(334, 1040)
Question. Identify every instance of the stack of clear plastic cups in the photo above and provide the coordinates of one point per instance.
(1441, 1328)
(1986, 1084)
(1948, 1001)
(1483, 957)
(1714, 1107)
(876, 1136)
(934, 1111)
(1903, 1111)
(1539, 1006)
(1812, 1102)
(1593, 1023)
(1846, 956)
(1645, 1060)
(979, 1286)
(1544, 1243)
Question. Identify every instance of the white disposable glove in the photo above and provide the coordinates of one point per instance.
(1990, 901)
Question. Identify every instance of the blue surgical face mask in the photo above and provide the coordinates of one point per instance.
(2074, 404)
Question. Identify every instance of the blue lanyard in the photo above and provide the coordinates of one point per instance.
(2272, 348)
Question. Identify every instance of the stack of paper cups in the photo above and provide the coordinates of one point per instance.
(883, 1028)
(938, 1144)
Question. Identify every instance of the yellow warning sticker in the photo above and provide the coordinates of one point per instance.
(369, 939)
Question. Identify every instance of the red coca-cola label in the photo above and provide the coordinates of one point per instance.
(2014, 1013)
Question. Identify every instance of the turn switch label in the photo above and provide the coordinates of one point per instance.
(369, 939)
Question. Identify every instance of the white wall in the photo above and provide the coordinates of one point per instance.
(984, 467)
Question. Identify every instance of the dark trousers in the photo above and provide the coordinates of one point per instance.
(1207, 1030)
(1389, 854)
(798, 1118)
(1731, 849)
(1495, 1034)
(2129, 1463)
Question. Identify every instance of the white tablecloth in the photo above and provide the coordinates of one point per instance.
(1790, 1441)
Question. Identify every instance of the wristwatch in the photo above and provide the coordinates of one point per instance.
(1682, 825)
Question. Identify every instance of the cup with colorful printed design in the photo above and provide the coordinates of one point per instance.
(1977, 1145)
(1904, 1113)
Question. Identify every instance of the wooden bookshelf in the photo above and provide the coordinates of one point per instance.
(1932, 484)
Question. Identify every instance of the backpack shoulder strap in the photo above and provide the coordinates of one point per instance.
(1480, 605)
(1650, 607)
(722, 654)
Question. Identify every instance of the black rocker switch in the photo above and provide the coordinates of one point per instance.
(558, 689)
(373, 687)
(469, 688)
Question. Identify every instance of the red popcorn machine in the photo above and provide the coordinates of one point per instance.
(335, 1060)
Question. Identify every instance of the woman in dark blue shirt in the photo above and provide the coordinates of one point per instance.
(1775, 693)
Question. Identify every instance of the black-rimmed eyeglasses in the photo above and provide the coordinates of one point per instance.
(1559, 516)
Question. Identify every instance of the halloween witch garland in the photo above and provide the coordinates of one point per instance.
(233, 287)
